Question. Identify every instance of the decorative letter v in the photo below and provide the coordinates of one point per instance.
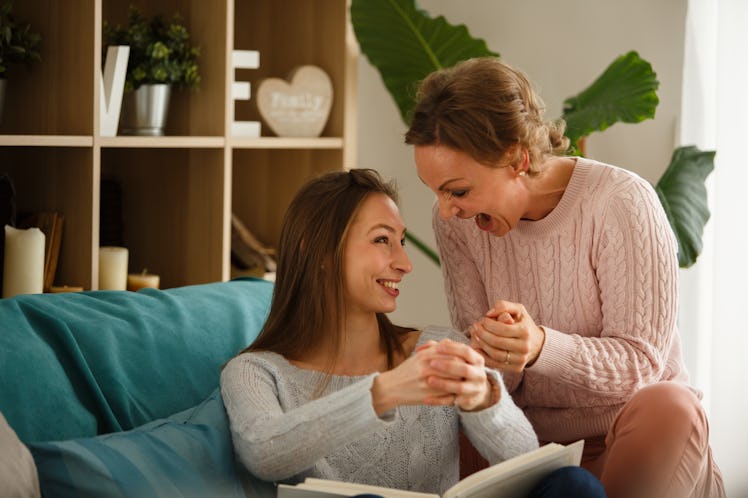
(112, 88)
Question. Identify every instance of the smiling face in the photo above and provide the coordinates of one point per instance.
(495, 198)
(374, 258)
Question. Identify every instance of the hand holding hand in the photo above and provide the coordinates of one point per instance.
(507, 337)
(407, 383)
(440, 374)
(461, 371)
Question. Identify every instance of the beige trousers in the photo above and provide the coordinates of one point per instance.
(658, 447)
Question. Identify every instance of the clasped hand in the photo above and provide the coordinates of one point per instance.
(507, 337)
(439, 373)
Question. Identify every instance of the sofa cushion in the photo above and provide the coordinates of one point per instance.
(18, 476)
(188, 454)
(81, 364)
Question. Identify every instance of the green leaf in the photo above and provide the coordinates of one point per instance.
(405, 44)
(425, 249)
(683, 195)
(625, 92)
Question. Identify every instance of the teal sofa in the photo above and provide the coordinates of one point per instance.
(116, 394)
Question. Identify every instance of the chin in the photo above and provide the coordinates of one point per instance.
(387, 309)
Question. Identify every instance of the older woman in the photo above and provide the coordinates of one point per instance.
(563, 272)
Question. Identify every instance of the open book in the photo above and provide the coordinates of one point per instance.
(513, 478)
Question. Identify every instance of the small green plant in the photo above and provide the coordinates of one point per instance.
(18, 44)
(160, 51)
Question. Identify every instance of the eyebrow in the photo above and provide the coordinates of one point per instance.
(386, 227)
(443, 186)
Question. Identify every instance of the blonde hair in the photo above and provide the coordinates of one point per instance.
(485, 108)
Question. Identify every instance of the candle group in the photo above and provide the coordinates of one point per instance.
(23, 270)
(113, 268)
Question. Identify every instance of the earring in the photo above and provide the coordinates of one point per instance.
(522, 173)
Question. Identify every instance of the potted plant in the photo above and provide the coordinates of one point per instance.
(417, 44)
(161, 56)
(18, 44)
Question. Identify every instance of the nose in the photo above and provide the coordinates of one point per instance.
(401, 262)
(447, 210)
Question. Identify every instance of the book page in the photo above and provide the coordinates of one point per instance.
(289, 491)
(517, 476)
(337, 488)
(508, 479)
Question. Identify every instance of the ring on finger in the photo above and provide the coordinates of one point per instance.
(506, 360)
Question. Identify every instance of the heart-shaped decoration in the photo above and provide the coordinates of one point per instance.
(299, 108)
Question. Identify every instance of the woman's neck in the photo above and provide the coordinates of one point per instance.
(361, 350)
(549, 186)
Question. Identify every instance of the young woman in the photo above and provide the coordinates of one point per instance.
(563, 272)
(332, 389)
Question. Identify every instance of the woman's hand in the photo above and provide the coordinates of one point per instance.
(507, 337)
(460, 370)
(440, 374)
(407, 384)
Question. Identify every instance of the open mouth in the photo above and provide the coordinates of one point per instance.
(390, 286)
(483, 221)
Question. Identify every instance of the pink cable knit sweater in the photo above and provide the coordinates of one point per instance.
(599, 273)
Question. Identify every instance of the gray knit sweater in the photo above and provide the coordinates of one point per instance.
(281, 434)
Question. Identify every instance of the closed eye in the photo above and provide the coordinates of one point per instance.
(457, 193)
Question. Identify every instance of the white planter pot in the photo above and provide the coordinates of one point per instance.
(144, 111)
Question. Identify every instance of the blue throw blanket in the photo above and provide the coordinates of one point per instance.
(81, 364)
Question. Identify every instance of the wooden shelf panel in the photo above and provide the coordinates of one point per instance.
(286, 143)
(59, 179)
(172, 211)
(201, 112)
(294, 33)
(163, 142)
(265, 180)
(55, 95)
(45, 141)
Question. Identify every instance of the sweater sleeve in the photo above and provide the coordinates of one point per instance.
(273, 443)
(636, 266)
(501, 431)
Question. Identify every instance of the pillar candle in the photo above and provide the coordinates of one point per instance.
(23, 270)
(137, 281)
(113, 268)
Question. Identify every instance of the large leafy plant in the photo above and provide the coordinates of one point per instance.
(18, 44)
(160, 51)
(405, 44)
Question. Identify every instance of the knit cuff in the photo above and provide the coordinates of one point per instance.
(554, 356)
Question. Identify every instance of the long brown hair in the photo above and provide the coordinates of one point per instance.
(484, 107)
(308, 302)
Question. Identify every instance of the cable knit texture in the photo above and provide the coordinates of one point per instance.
(599, 273)
(281, 434)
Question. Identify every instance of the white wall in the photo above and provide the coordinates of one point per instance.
(563, 47)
